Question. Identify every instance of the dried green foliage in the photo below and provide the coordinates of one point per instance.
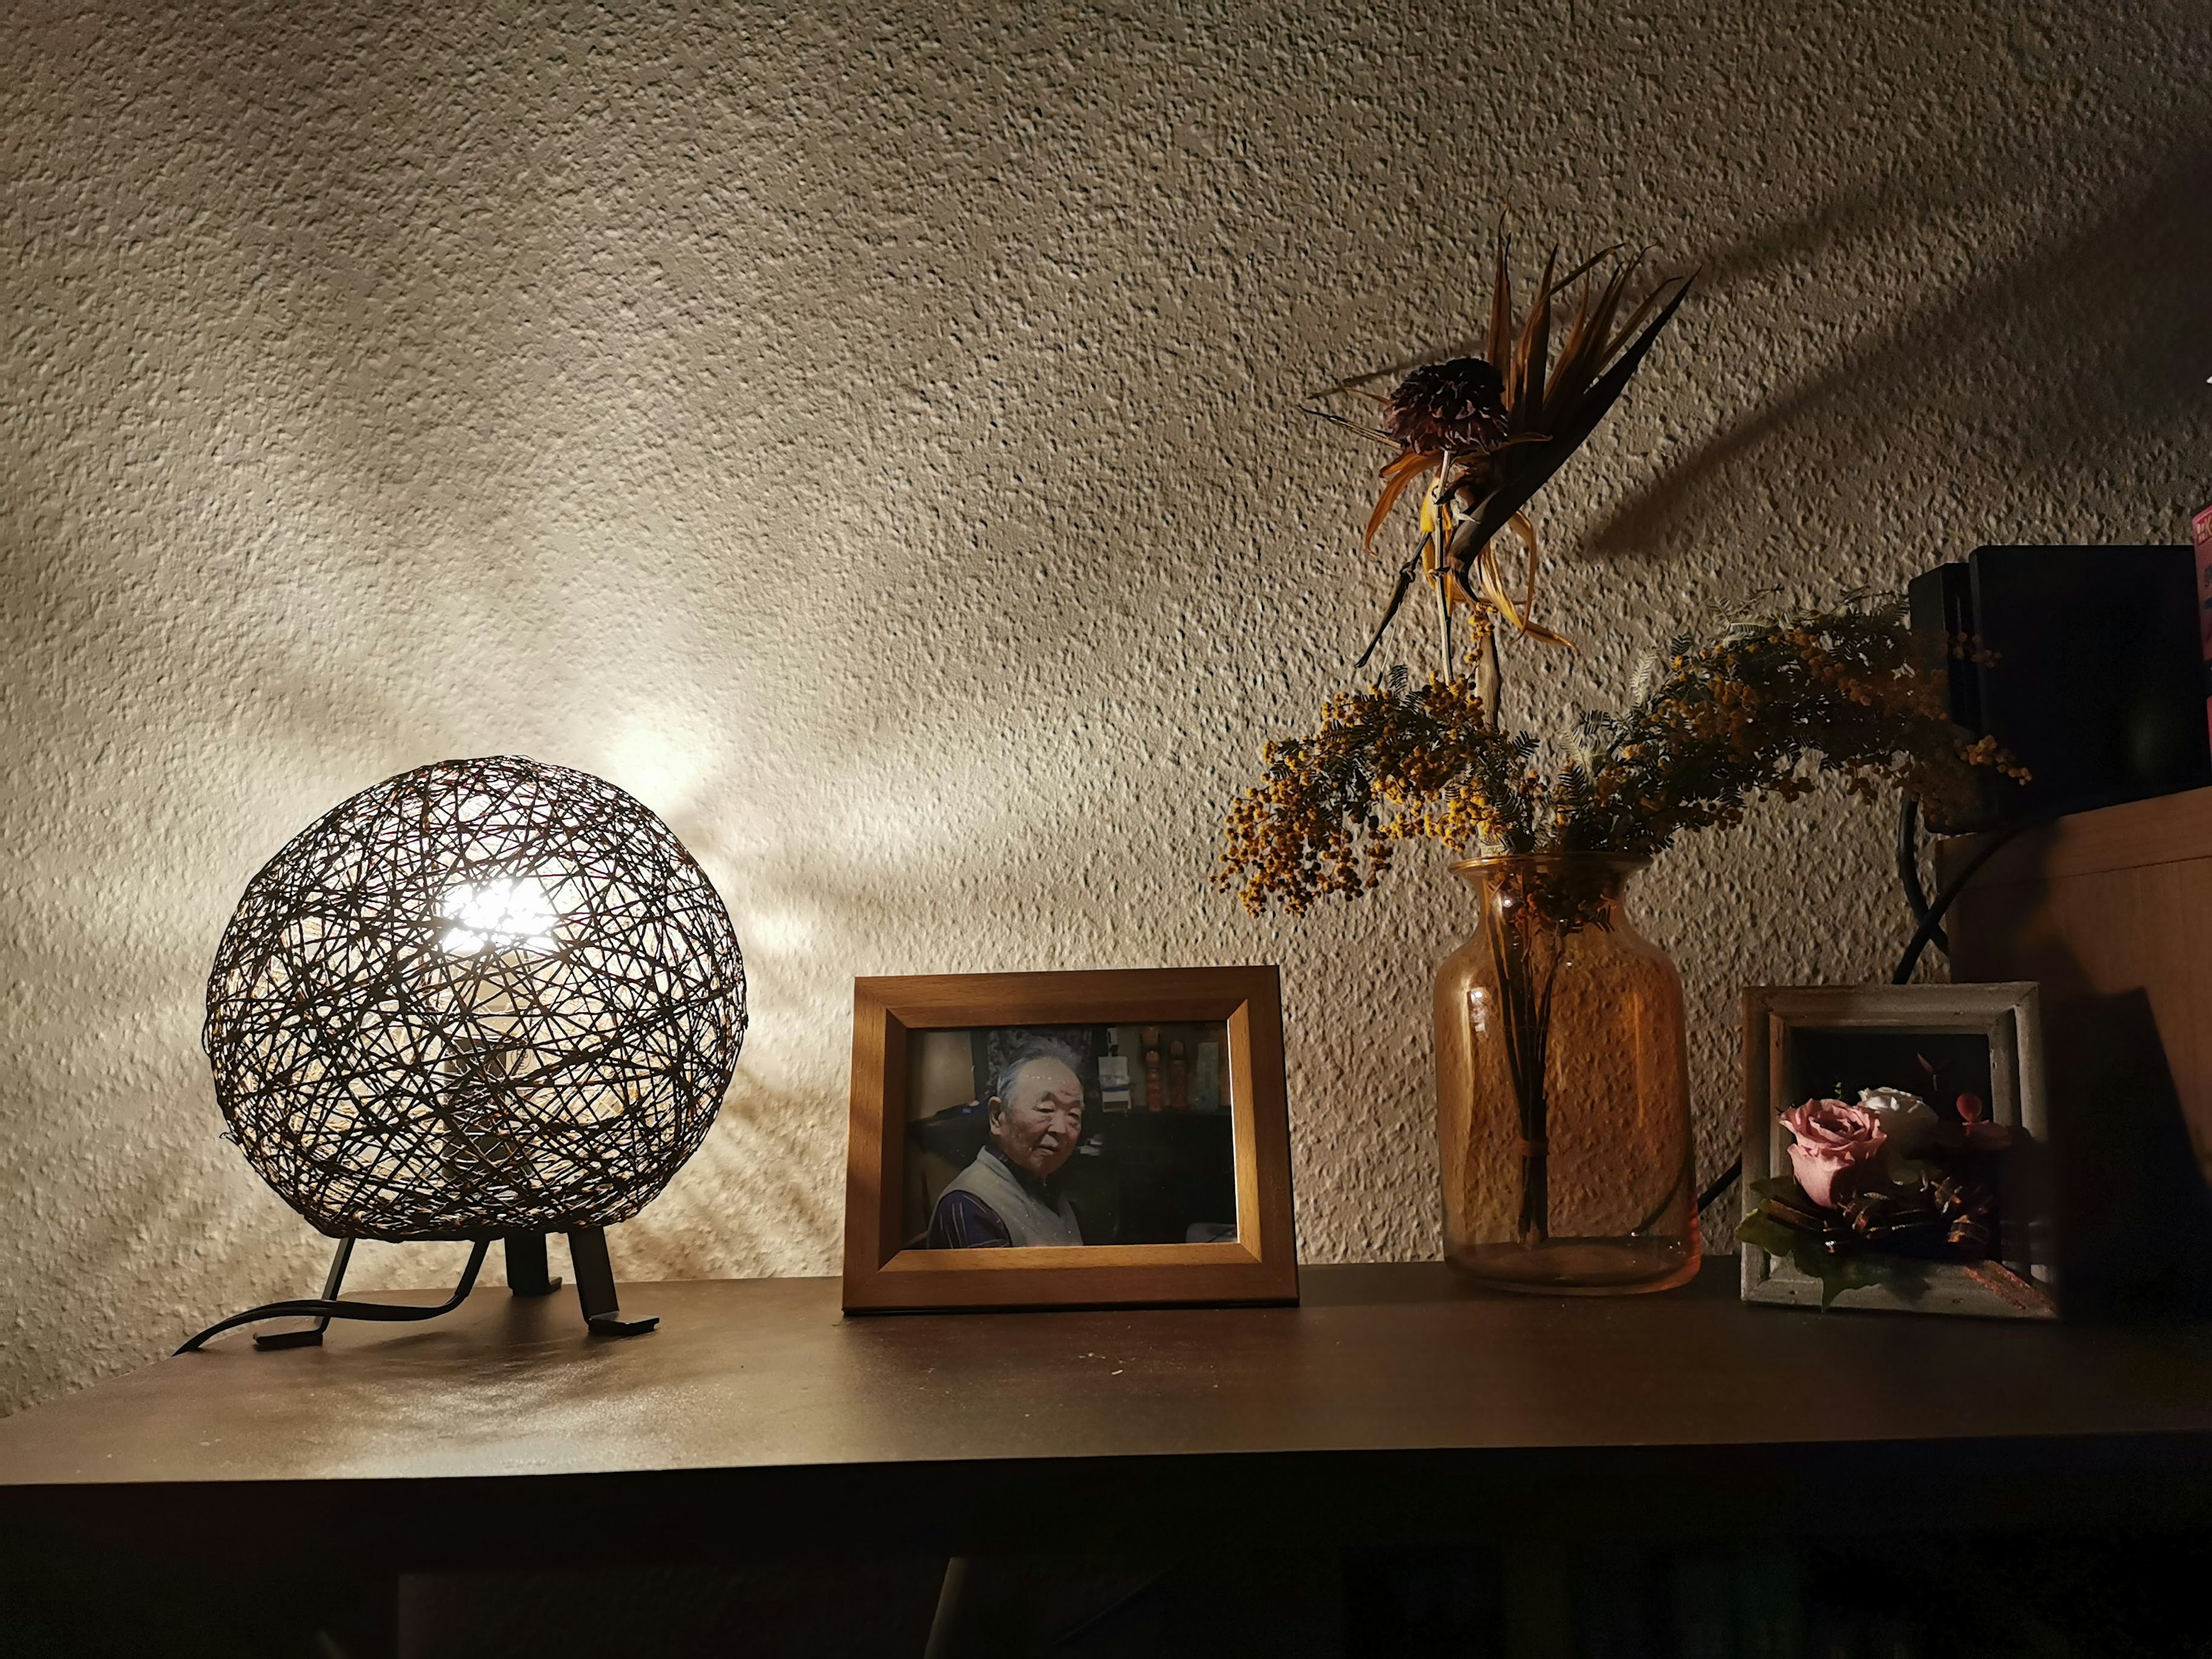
(1767, 707)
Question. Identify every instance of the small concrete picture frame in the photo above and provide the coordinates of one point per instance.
(1918, 1177)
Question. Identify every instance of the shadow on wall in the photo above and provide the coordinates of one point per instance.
(2044, 364)
(762, 1196)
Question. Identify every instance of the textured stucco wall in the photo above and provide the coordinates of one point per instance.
(864, 433)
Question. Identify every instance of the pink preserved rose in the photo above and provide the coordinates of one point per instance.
(1833, 1147)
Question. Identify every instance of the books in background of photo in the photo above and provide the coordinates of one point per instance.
(2200, 534)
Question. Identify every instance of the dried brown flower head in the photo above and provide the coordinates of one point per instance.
(1475, 437)
(1458, 406)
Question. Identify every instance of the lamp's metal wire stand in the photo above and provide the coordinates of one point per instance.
(526, 1275)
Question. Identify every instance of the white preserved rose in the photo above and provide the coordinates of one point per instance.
(1909, 1123)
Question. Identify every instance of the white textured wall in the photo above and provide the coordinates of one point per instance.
(866, 434)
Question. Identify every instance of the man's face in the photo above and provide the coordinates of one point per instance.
(1038, 1128)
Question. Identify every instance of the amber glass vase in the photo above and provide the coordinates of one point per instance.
(1563, 1092)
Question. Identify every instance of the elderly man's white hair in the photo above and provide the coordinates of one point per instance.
(1033, 1046)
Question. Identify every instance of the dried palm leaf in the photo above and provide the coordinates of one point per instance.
(1507, 424)
(1527, 469)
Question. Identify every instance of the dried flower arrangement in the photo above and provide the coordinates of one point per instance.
(1879, 1189)
(1765, 707)
(1762, 708)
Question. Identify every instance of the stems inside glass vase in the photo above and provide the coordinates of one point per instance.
(1532, 909)
(1527, 954)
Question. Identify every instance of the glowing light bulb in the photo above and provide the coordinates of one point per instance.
(506, 915)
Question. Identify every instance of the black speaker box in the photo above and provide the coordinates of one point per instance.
(2088, 664)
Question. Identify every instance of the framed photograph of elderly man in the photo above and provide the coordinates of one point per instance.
(1068, 1140)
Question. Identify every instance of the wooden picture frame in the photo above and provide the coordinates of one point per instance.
(2019, 1283)
(884, 1270)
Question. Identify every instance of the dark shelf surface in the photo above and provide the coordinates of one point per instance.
(1393, 1395)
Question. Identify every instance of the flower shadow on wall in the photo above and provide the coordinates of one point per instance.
(2051, 369)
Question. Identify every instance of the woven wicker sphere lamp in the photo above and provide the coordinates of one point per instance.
(484, 1000)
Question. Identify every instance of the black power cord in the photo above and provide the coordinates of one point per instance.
(1722, 1182)
(320, 1308)
(1931, 913)
(1928, 917)
(1908, 873)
